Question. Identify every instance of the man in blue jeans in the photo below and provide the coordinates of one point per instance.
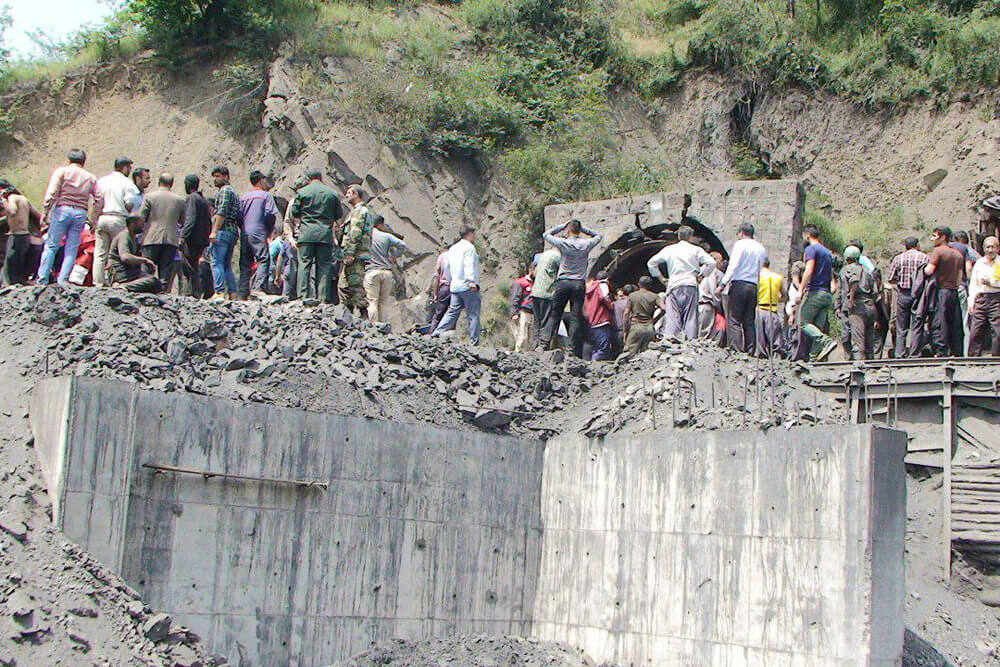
(67, 199)
(225, 234)
(463, 263)
(259, 212)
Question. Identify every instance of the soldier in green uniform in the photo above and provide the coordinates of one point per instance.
(313, 214)
(356, 246)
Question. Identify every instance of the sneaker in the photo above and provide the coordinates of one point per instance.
(829, 346)
(217, 296)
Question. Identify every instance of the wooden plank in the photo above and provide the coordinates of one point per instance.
(969, 486)
(926, 459)
(948, 433)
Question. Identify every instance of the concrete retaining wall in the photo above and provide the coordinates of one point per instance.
(421, 532)
(726, 548)
(735, 548)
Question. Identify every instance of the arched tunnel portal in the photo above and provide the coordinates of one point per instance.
(625, 260)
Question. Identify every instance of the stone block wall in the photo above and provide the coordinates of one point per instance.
(775, 208)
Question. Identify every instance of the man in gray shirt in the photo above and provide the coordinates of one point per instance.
(379, 279)
(570, 286)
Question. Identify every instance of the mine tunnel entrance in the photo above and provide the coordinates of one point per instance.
(625, 259)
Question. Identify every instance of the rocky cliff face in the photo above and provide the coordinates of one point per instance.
(935, 163)
(425, 199)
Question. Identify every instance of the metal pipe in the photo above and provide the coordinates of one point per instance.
(160, 469)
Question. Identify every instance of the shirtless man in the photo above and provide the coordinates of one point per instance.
(20, 213)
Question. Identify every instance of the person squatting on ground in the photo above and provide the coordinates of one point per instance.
(126, 264)
(194, 238)
(463, 265)
(640, 314)
(259, 212)
(947, 266)
(120, 195)
(599, 310)
(286, 267)
(570, 287)
(740, 284)
(379, 278)
(679, 267)
(225, 234)
(984, 301)
(857, 295)
(902, 269)
(313, 218)
(18, 264)
(522, 311)
(163, 214)
(70, 193)
(769, 323)
(817, 298)
(356, 248)
(543, 292)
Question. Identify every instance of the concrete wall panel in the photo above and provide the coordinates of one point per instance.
(685, 544)
(740, 548)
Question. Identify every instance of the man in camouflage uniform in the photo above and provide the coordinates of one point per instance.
(356, 247)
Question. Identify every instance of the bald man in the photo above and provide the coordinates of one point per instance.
(163, 216)
(984, 301)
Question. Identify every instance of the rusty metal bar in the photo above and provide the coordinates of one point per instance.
(161, 469)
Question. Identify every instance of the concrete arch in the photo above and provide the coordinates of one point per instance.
(625, 259)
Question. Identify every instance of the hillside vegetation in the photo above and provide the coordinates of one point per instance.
(530, 85)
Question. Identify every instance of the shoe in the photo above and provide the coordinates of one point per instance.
(829, 346)
(217, 296)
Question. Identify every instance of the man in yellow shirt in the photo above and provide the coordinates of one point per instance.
(771, 292)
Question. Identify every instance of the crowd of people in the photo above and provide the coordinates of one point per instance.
(118, 230)
(945, 302)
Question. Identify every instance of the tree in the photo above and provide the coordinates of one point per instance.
(173, 24)
(5, 23)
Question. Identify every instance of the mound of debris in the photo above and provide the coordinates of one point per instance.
(320, 358)
(470, 651)
(62, 607)
(58, 606)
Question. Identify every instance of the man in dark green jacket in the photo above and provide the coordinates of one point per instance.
(313, 214)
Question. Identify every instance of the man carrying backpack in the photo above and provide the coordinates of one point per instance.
(858, 291)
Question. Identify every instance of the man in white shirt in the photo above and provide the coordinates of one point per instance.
(120, 193)
(741, 278)
(463, 264)
(685, 265)
(984, 301)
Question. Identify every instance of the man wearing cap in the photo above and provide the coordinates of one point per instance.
(120, 194)
(858, 290)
